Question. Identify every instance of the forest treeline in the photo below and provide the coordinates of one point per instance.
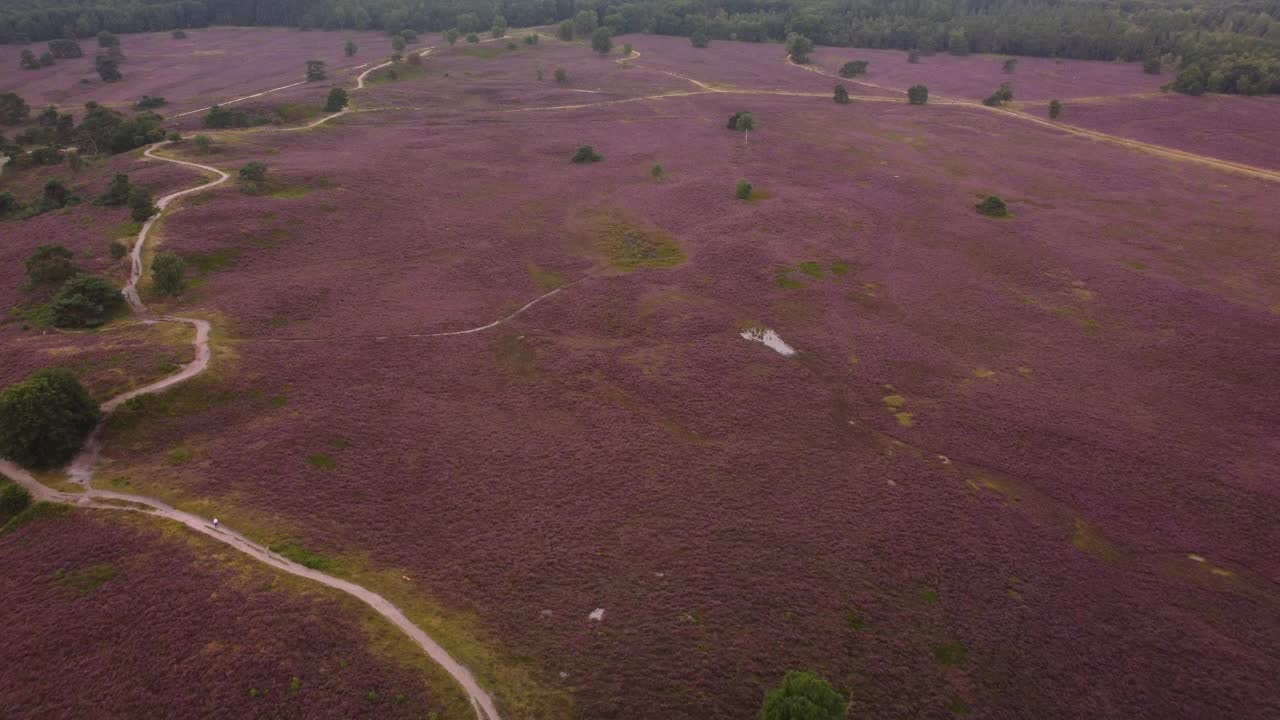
(1218, 46)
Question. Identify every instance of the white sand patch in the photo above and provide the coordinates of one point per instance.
(768, 337)
(597, 614)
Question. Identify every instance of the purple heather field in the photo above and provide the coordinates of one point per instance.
(1016, 467)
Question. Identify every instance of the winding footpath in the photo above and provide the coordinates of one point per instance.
(80, 470)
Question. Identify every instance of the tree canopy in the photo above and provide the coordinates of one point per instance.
(804, 696)
(45, 419)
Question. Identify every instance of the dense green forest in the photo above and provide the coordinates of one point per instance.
(1219, 46)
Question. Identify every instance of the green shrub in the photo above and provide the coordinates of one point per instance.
(167, 271)
(602, 41)
(13, 499)
(804, 696)
(798, 47)
(140, 205)
(337, 99)
(562, 77)
(853, 68)
(117, 192)
(842, 95)
(743, 190)
(1055, 109)
(117, 250)
(586, 154)
(917, 94)
(84, 301)
(49, 265)
(993, 206)
(45, 419)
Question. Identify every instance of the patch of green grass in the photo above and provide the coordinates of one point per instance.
(295, 684)
(515, 356)
(205, 263)
(854, 620)
(811, 268)
(628, 246)
(485, 53)
(894, 401)
(544, 279)
(339, 443)
(950, 654)
(177, 456)
(840, 267)
(782, 276)
(958, 707)
(930, 596)
(322, 461)
(38, 511)
(84, 581)
(301, 555)
(278, 400)
(297, 112)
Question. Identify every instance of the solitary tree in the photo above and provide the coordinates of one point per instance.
(602, 41)
(117, 192)
(531, 39)
(45, 419)
(1055, 109)
(992, 206)
(586, 154)
(315, 70)
(699, 38)
(499, 26)
(473, 38)
(203, 143)
(657, 173)
(140, 206)
(49, 265)
(842, 95)
(167, 274)
(1010, 66)
(337, 99)
(562, 76)
(252, 175)
(804, 696)
(746, 124)
(799, 47)
(108, 68)
(13, 109)
(626, 50)
(854, 68)
(84, 301)
(452, 35)
(917, 94)
(350, 48)
(742, 190)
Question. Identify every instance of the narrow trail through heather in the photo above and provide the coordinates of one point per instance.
(80, 470)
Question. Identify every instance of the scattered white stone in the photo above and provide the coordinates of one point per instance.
(563, 675)
(1196, 558)
(597, 614)
(659, 574)
(768, 337)
(892, 483)
(945, 460)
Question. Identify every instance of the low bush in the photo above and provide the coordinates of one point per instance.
(84, 301)
(993, 206)
(804, 696)
(743, 190)
(586, 154)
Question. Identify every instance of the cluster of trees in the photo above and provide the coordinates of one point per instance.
(1001, 96)
(101, 130)
(79, 300)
